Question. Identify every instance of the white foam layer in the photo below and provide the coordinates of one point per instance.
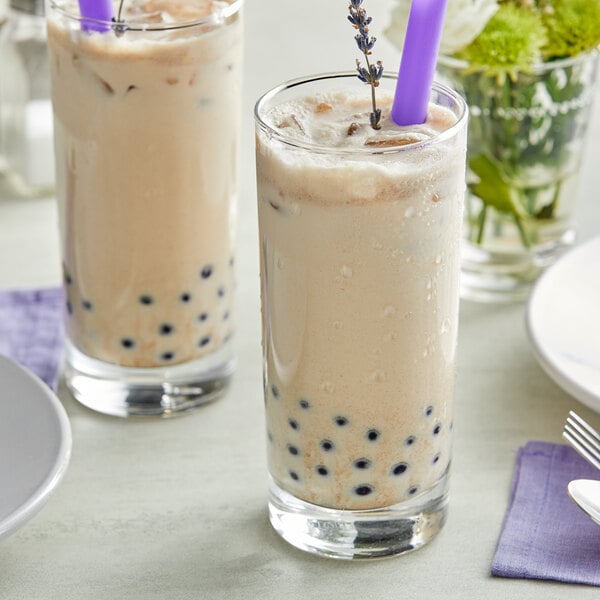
(336, 120)
(373, 166)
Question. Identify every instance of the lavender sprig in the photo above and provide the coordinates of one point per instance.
(372, 73)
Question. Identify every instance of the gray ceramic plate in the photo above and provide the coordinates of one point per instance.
(35, 445)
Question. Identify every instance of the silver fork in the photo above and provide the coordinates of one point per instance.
(583, 437)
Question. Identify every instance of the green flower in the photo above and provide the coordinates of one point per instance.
(512, 41)
(573, 26)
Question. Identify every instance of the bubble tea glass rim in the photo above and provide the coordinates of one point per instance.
(230, 8)
(390, 530)
(262, 105)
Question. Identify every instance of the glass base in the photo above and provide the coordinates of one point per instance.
(155, 392)
(359, 534)
(488, 276)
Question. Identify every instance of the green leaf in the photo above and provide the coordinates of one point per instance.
(492, 188)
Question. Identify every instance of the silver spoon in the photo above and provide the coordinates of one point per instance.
(586, 494)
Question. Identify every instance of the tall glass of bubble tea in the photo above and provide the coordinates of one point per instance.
(359, 244)
(146, 100)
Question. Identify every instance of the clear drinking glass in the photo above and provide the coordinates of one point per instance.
(146, 129)
(360, 277)
(527, 135)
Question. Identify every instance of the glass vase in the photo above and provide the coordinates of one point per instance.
(525, 145)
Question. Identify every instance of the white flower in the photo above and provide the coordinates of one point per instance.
(465, 20)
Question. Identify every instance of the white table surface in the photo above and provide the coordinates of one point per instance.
(177, 508)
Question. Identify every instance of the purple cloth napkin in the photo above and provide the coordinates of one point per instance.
(545, 536)
(31, 330)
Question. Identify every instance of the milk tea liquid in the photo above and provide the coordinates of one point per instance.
(360, 262)
(146, 133)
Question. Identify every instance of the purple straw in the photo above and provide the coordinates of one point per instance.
(419, 56)
(98, 10)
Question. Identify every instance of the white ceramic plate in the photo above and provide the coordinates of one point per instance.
(563, 322)
(35, 445)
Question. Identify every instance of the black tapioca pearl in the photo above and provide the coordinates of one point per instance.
(167, 356)
(437, 429)
(373, 435)
(270, 436)
(275, 391)
(429, 411)
(185, 297)
(68, 279)
(327, 445)
(294, 475)
(226, 315)
(293, 424)
(146, 300)
(363, 490)
(206, 272)
(362, 463)
(436, 458)
(128, 343)
(410, 440)
(341, 421)
(399, 468)
(204, 341)
(413, 490)
(293, 450)
(87, 305)
(321, 470)
(221, 292)
(202, 317)
(304, 404)
(69, 307)
(166, 329)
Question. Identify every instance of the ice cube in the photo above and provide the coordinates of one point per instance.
(291, 122)
(323, 107)
(389, 142)
(105, 85)
(353, 128)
